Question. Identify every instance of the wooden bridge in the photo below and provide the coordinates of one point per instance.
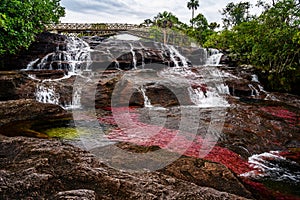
(109, 29)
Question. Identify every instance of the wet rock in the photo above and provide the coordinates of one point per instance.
(17, 116)
(260, 126)
(126, 88)
(43, 169)
(28, 109)
(44, 43)
(9, 83)
(20, 84)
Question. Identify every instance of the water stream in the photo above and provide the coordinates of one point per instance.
(203, 82)
(73, 62)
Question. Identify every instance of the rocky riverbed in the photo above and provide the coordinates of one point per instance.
(135, 100)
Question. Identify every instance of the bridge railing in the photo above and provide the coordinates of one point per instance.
(91, 26)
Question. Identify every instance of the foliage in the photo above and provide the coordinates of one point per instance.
(270, 42)
(193, 4)
(202, 29)
(175, 28)
(21, 20)
(234, 14)
(170, 18)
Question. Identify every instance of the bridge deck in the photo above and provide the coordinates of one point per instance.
(108, 29)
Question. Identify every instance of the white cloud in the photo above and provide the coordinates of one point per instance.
(136, 11)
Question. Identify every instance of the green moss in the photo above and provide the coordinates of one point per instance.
(65, 132)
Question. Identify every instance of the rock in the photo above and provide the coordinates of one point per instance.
(42, 169)
(44, 43)
(82, 194)
(9, 83)
(208, 174)
(125, 88)
(28, 109)
(198, 171)
(17, 116)
(257, 126)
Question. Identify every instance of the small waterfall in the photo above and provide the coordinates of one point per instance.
(254, 91)
(214, 60)
(46, 94)
(147, 102)
(208, 97)
(205, 92)
(175, 55)
(74, 61)
(133, 56)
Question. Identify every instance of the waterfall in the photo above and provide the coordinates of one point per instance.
(147, 102)
(214, 60)
(205, 92)
(46, 94)
(209, 97)
(175, 55)
(133, 56)
(74, 61)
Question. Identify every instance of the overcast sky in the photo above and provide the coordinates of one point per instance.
(136, 11)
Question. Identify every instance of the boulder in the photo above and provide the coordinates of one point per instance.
(18, 116)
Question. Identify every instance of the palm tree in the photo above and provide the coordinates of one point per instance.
(193, 4)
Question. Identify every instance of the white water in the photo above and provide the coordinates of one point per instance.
(205, 95)
(133, 56)
(75, 60)
(46, 94)
(174, 54)
(214, 60)
(273, 166)
(147, 102)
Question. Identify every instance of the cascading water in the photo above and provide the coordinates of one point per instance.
(176, 57)
(77, 59)
(46, 94)
(213, 57)
(147, 102)
(73, 62)
(206, 86)
(273, 166)
(133, 57)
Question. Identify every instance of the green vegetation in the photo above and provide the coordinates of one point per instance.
(21, 20)
(270, 41)
(193, 4)
(197, 33)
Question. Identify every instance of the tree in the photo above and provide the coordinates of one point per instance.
(234, 14)
(202, 29)
(270, 42)
(147, 22)
(193, 4)
(213, 25)
(21, 20)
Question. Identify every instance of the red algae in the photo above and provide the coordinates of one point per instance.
(131, 130)
(285, 114)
